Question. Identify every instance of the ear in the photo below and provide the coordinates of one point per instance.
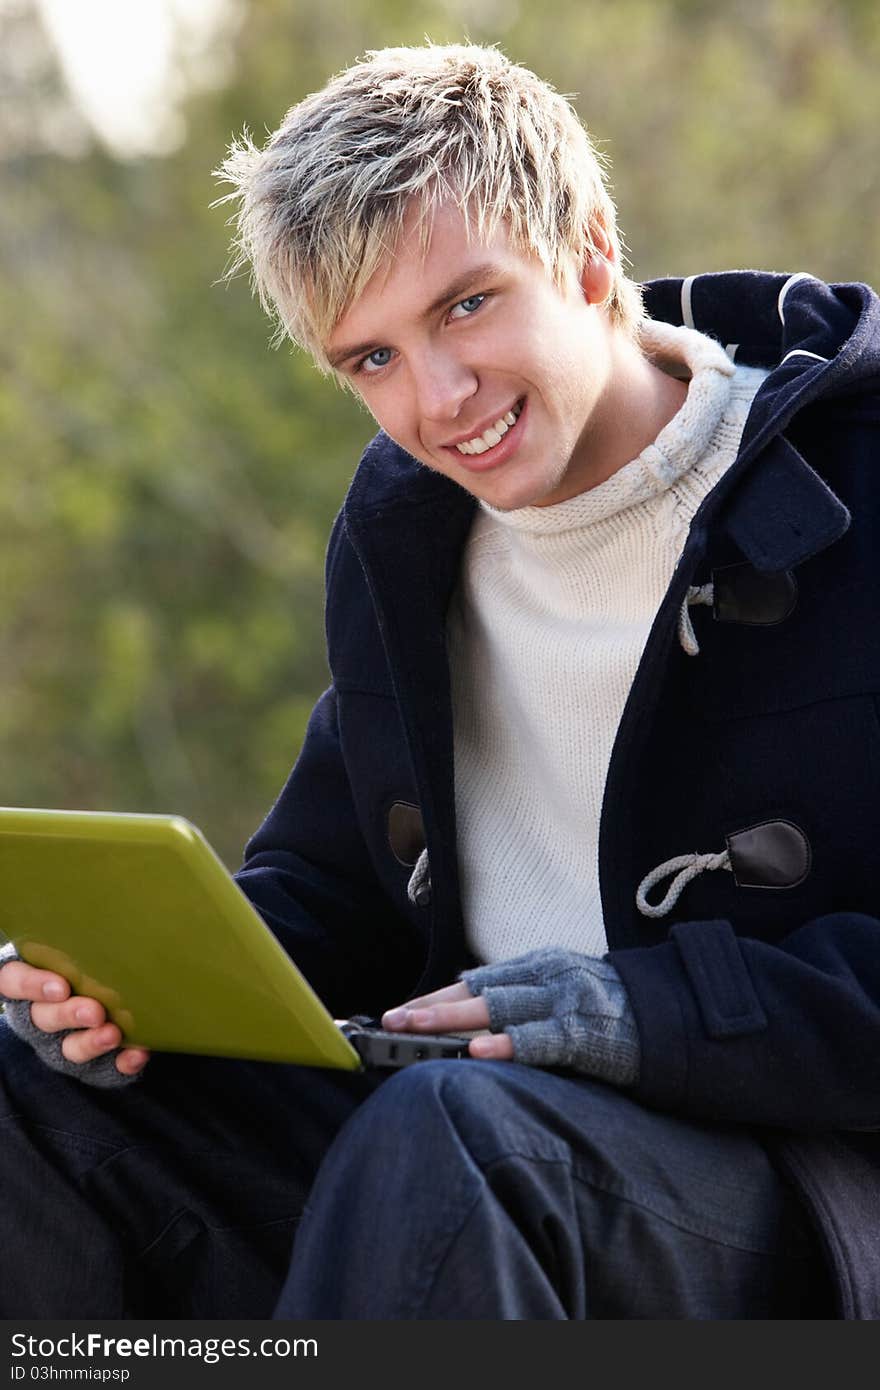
(597, 274)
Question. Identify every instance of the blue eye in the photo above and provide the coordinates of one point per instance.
(369, 363)
(377, 360)
(469, 305)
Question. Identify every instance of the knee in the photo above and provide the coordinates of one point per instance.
(403, 1107)
(445, 1089)
(476, 1111)
(406, 1117)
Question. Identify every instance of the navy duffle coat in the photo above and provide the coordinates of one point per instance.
(757, 997)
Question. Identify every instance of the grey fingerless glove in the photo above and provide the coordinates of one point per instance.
(100, 1071)
(562, 1009)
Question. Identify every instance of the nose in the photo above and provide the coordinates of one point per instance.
(443, 384)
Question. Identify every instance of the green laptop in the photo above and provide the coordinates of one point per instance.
(139, 912)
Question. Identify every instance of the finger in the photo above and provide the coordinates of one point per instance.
(131, 1060)
(459, 1017)
(440, 996)
(496, 1047)
(88, 1043)
(426, 1001)
(77, 1012)
(18, 980)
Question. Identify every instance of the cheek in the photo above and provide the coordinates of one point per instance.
(389, 410)
(558, 346)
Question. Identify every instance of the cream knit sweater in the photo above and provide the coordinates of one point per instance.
(546, 629)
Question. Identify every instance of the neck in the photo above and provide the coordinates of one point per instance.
(638, 401)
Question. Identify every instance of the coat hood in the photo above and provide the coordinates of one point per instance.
(817, 340)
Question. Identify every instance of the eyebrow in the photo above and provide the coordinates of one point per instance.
(455, 290)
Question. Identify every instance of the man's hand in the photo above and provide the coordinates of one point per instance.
(54, 1008)
(451, 1010)
(550, 1008)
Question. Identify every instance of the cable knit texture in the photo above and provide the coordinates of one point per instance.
(546, 629)
(100, 1071)
(562, 1009)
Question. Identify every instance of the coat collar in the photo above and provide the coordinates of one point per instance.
(819, 341)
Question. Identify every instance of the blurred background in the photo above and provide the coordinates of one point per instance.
(167, 480)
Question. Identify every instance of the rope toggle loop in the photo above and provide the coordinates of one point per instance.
(685, 868)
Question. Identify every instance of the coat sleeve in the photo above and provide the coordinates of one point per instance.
(737, 1030)
(308, 872)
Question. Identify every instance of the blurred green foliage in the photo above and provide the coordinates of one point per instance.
(167, 481)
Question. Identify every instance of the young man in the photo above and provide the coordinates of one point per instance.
(596, 778)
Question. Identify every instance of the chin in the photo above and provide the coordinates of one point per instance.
(513, 503)
(525, 493)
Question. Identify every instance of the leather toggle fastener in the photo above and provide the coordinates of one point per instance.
(406, 832)
(739, 594)
(744, 595)
(772, 854)
(406, 836)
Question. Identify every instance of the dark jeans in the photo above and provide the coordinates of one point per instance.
(454, 1190)
(177, 1196)
(498, 1191)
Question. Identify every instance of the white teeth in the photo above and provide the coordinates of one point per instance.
(490, 437)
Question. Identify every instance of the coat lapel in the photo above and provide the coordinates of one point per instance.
(408, 526)
(783, 513)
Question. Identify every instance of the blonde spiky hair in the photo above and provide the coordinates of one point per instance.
(321, 207)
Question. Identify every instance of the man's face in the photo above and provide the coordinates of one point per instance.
(476, 346)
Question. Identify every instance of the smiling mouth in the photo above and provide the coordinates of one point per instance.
(482, 443)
